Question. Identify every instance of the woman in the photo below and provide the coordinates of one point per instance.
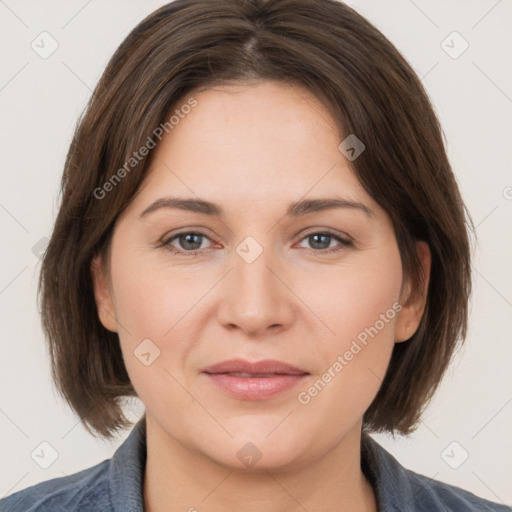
(261, 237)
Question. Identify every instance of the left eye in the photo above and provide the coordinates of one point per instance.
(190, 242)
(319, 239)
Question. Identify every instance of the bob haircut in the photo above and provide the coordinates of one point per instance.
(370, 90)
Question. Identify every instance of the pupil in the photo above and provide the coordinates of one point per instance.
(188, 241)
(319, 236)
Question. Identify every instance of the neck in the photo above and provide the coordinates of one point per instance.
(179, 479)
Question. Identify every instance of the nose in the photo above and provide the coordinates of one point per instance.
(255, 297)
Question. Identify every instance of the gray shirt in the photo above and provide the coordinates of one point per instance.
(115, 485)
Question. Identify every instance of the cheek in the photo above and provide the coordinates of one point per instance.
(157, 307)
(144, 307)
(360, 306)
(150, 295)
(351, 298)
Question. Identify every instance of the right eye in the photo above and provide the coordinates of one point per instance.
(190, 242)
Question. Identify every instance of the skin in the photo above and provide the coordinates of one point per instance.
(253, 149)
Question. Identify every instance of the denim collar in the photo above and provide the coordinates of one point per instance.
(126, 471)
(396, 488)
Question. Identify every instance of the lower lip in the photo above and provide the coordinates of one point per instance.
(254, 388)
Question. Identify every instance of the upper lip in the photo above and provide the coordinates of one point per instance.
(267, 366)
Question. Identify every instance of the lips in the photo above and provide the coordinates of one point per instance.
(261, 380)
(243, 368)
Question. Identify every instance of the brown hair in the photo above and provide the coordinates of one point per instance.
(370, 90)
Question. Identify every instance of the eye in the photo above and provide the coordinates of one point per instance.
(189, 241)
(321, 240)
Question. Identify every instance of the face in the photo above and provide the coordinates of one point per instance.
(320, 289)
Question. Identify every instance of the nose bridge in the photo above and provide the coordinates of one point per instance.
(252, 263)
(255, 298)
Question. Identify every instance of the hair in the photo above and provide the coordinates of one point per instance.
(370, 90)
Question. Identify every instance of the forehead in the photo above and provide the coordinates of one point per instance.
(260, 122)
(250, 145)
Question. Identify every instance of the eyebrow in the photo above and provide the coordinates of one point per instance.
(296, 209)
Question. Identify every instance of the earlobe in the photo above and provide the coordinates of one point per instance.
(103, 294)
(414, 301)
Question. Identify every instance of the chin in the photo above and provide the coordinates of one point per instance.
(256, 450)
(250, 459)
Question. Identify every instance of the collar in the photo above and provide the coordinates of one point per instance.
(388, 478)
(126, 472)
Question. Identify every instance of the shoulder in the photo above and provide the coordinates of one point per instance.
(433, 495)
(114, 484)
(86, 490)
(398, 489)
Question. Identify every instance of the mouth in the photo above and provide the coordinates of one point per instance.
(250, 375)
(254, 381)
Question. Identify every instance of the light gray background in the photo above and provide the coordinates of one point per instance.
(40, 101)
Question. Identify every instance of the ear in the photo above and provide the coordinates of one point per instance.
(413, 301)
(103, 294)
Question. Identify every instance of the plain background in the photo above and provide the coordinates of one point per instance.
(40, 102)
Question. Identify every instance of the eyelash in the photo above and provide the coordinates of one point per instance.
(166, 242)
